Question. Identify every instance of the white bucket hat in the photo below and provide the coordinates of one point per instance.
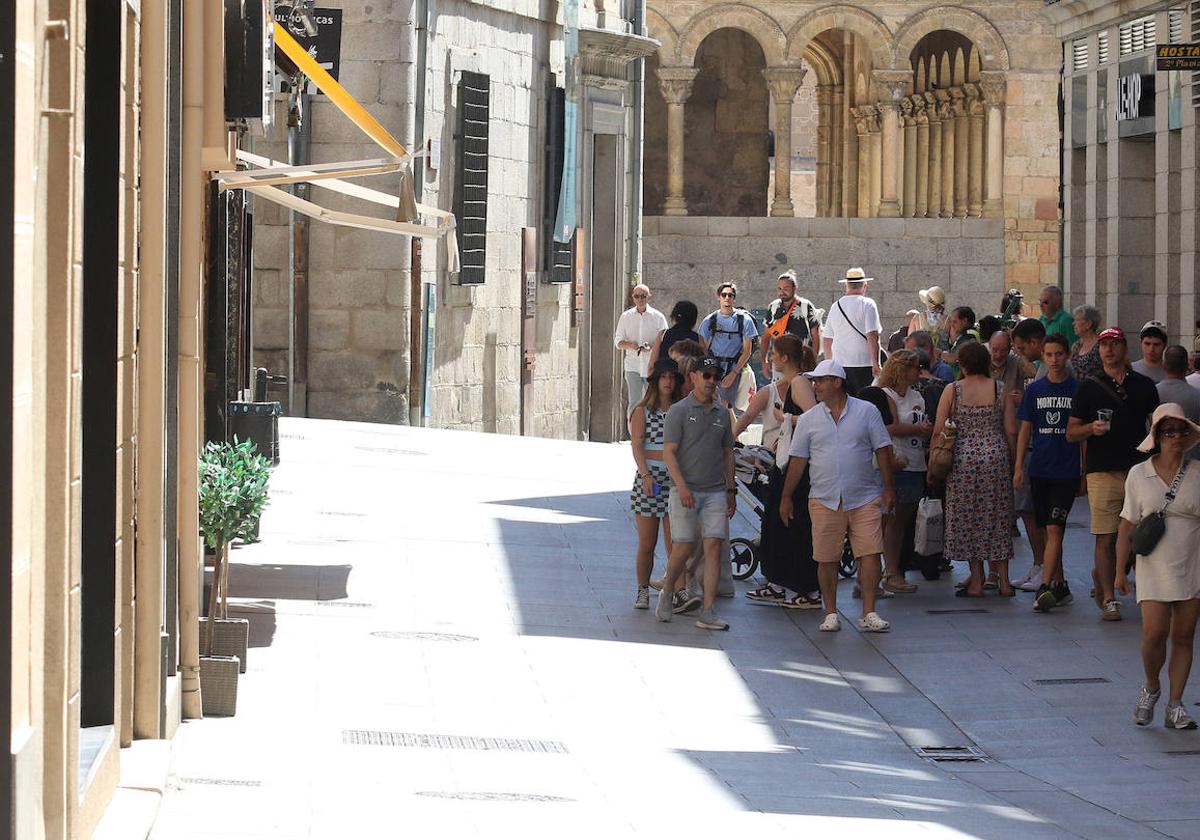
(1166, 411)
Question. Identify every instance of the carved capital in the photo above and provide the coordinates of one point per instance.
(864, 119)
(893, 85)
(974, 100)
(676, 83)
(958, 102)
(784, 82)
(906, 110)
(993, 87)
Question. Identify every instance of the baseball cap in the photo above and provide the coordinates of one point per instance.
(708, 362)
(1115, 333)
(828, 367)
(1157, 328)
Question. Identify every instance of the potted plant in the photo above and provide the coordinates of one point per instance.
(233, 488)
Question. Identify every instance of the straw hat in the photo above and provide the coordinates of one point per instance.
(933, 296)
(1166, 411)
(856, 275)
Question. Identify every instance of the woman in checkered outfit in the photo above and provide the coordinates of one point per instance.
(651, 485)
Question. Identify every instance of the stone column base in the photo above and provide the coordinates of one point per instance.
(674, 206)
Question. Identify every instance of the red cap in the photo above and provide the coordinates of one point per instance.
(1112, 332)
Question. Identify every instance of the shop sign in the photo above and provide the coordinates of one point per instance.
(1135, 96)
(325, 46)
(1177, 57)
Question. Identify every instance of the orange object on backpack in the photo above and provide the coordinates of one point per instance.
(779, 325)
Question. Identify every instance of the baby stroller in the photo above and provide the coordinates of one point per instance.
(752, 469)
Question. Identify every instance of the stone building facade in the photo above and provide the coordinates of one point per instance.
(506, 356)
(944, 116)
(1130, 161)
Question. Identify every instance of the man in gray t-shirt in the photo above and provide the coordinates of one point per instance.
(698, 450)
(1175, 388)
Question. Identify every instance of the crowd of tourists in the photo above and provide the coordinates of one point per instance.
(988, 421)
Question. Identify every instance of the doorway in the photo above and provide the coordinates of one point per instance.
(606, 398)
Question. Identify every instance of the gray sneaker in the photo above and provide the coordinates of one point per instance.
(709, 620)
(1177, 717)
(642, 601)
(662, 610)
(1143, 712)
(1112, 611)
(685, 602)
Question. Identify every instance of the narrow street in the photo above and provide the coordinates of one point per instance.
(443, 645)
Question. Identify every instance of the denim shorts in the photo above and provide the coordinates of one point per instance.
(708, 515)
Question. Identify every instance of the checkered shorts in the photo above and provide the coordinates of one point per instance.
(656, 506)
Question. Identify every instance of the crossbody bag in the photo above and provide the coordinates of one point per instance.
(1150, 530)
(882, 353)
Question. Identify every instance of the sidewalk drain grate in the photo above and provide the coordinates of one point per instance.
(1183, 752)
(951, 753)
(489, 796)
(192, 780)
(429, 740)
(1074, 681)
(423, 637)
(967, 611)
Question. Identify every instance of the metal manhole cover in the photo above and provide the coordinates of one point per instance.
(423, 637)
(429, 740)
(964, 611)
(192, 780)
(491, 796)
(941, 754)
(1074, 681)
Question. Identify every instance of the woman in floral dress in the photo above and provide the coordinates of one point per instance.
(979, 496)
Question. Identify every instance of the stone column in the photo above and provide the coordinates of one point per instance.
(862, 125)
(676, 85)
(946, 115)
(962, 159)
(993, 88)
(893, 85)
(908, 115)
(824, 147)
(783, 82)
(876, 160)
(849, 130)
(921, 117)
(837, 148)
(934, 208)
(975, 174)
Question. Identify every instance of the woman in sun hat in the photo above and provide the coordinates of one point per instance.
(1168, 578)
(931, 319)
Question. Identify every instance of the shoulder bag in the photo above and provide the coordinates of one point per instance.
(941, 454)
(1151, 529)
(783, 441)
(882, 353)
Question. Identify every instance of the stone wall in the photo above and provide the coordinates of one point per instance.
(685, 258)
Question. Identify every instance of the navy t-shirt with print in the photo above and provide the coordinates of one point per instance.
(1047, 407)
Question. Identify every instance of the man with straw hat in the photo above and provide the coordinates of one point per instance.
(932, 319)
(851, 334)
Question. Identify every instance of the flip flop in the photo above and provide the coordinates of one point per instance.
(963, 593)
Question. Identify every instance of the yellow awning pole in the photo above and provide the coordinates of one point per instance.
(336, 93)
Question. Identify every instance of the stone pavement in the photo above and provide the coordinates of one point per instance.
(443, 645)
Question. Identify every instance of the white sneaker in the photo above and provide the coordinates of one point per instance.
(642, 601)
(1031, 581)
(1178, 718)
(831, 624)
(656, 584)
(872, 623)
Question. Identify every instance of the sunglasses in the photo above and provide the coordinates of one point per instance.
(1176, 432)
(727, 294)
(1043, 303)
(707, 374)
(640, 297)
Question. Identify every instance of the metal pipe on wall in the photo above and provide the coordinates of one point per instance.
(638, 162)
(423, 11)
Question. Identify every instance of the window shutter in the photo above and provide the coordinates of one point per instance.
(1175, 26)
(1079, 54)
(557, 255)
(1137, 35)
(1102, 48)
(471, 185)
(1195, 10)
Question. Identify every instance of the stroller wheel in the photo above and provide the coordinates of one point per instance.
(848, 565)
(743, 557)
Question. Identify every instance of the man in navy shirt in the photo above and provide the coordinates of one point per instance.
(1053, 468)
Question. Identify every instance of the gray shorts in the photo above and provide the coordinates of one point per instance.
(708, 515)
(1023, 498)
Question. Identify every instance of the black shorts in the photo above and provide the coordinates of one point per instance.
(1053, 499)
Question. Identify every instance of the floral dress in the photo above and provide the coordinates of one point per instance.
(979, 495)
(1086, 364)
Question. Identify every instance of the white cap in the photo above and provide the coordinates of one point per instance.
(828, 367)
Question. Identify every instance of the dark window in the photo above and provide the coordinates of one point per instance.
(557, 255)
(471, 185)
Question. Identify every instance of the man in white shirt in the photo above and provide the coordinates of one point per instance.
(637, 328)
(1193, 378)
(851, 333)
(836, 441)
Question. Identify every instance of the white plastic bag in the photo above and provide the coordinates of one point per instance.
(931, 525)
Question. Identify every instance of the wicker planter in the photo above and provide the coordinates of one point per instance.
(231, 638)
(218, 685)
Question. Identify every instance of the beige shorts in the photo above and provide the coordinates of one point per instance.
(829, 528)
(1106, 496)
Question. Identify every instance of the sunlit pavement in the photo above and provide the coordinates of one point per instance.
(443, 645)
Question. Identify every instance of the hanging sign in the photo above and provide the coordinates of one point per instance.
(325, 45)
(1177, 56)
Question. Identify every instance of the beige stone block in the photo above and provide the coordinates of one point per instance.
(371, 249)
(347, 370)
(321, 246)
(728, 226)
(397, 285)
(982, 228)
(271, 287)
(360, 78)
(933, 228)
(897, 251)
(683, 225)
(912, 278)
(650, 225)
(970, 251)
(378, 40)
(350, 288)
(877, 228)
(328, 329)
(270, 327)
(271, 246)
(379, 406)
(662, 249)
(975, 278)
(818, 228)
(778, 227)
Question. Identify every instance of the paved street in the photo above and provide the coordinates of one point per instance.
(443, 645)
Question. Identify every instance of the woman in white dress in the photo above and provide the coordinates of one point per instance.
(1168, 578)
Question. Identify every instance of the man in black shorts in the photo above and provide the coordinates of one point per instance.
(1053, 465)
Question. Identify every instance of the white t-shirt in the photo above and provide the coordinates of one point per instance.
(642, 327)
(849, 347)
(909, 409)
(1193, 379)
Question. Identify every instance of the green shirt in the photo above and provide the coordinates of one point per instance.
(1063, 323)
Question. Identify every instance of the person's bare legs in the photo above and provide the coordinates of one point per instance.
(894, 526)
(676, 567)
(1037, 539)
(1003, 584)
(869, 571)
(647, 531)
(975, 581)
(1183, 634)
(712, 569)
(1052, 556)
(1156, 626)
(827, 579)
(1105, 575)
